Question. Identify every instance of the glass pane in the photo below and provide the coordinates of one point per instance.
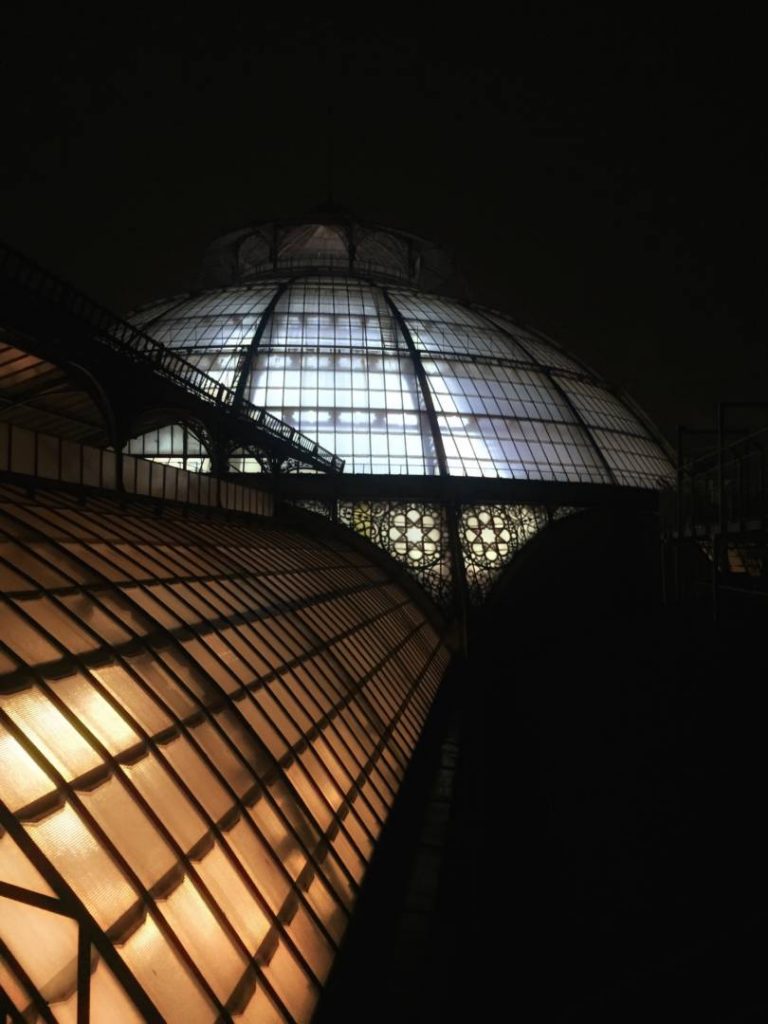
(291, 983)
(83, 607)
(7, 664)
(44, 944)
(96, 713)
(25, 640)
(204, 938)
(327, 907)
(311, 942)
(237, 902)
(53, 735)
(12, 987)
(109, 1001)
(21, 781)
(169, 803)
(16, 868)
(84, 864)
(27, 562)
(237, 773)
(147, 713)
(131, 831)
(54, 620)
(198, 776)
(259, 1010)
(152, 672)
(163, 975)
(260, 862)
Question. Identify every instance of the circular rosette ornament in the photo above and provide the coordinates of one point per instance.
(487, 536)
(414, 534)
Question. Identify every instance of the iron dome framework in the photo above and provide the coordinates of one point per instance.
(326, 325)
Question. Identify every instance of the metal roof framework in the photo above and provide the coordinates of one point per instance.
(135, 376)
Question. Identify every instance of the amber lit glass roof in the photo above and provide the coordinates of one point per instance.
(203, 726)
(334, 338)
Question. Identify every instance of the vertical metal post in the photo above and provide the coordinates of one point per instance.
(119, 482)
(458, 573)
(274, 466)
(721, 518)
(719, 545)
(677, 539)
(118, 435)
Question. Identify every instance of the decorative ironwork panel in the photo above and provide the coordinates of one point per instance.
(414, 534)
(491, 535)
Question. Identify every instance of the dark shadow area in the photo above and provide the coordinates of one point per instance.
(605, 858)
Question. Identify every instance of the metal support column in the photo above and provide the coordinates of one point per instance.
(458, 571)
(719, 543)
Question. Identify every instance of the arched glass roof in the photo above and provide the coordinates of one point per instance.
(203, 726)
(399, 381)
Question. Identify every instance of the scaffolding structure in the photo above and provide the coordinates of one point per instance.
(715, 521)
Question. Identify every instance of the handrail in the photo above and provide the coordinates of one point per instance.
(134, 343)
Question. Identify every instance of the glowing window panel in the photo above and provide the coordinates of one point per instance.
(635, 461)
(544, 352)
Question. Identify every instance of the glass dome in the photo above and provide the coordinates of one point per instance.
(323, 325)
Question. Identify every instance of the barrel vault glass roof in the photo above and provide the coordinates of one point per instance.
(203, 726)
(399, 381)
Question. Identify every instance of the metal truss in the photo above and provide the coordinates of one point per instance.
(126, 359)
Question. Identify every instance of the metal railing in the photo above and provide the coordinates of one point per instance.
(719, 508)
(133, 343)
(725, 488)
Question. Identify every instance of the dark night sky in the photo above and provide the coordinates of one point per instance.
(600, 175)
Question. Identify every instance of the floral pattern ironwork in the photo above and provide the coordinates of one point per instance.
(490, 537)
(415, 534)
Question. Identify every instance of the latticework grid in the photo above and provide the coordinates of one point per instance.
(490, 537)
(415, 534)
(203, 725)
(357, 366)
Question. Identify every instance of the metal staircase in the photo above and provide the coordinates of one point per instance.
(61, 324)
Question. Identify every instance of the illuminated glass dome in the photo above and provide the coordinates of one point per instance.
(326, 325)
